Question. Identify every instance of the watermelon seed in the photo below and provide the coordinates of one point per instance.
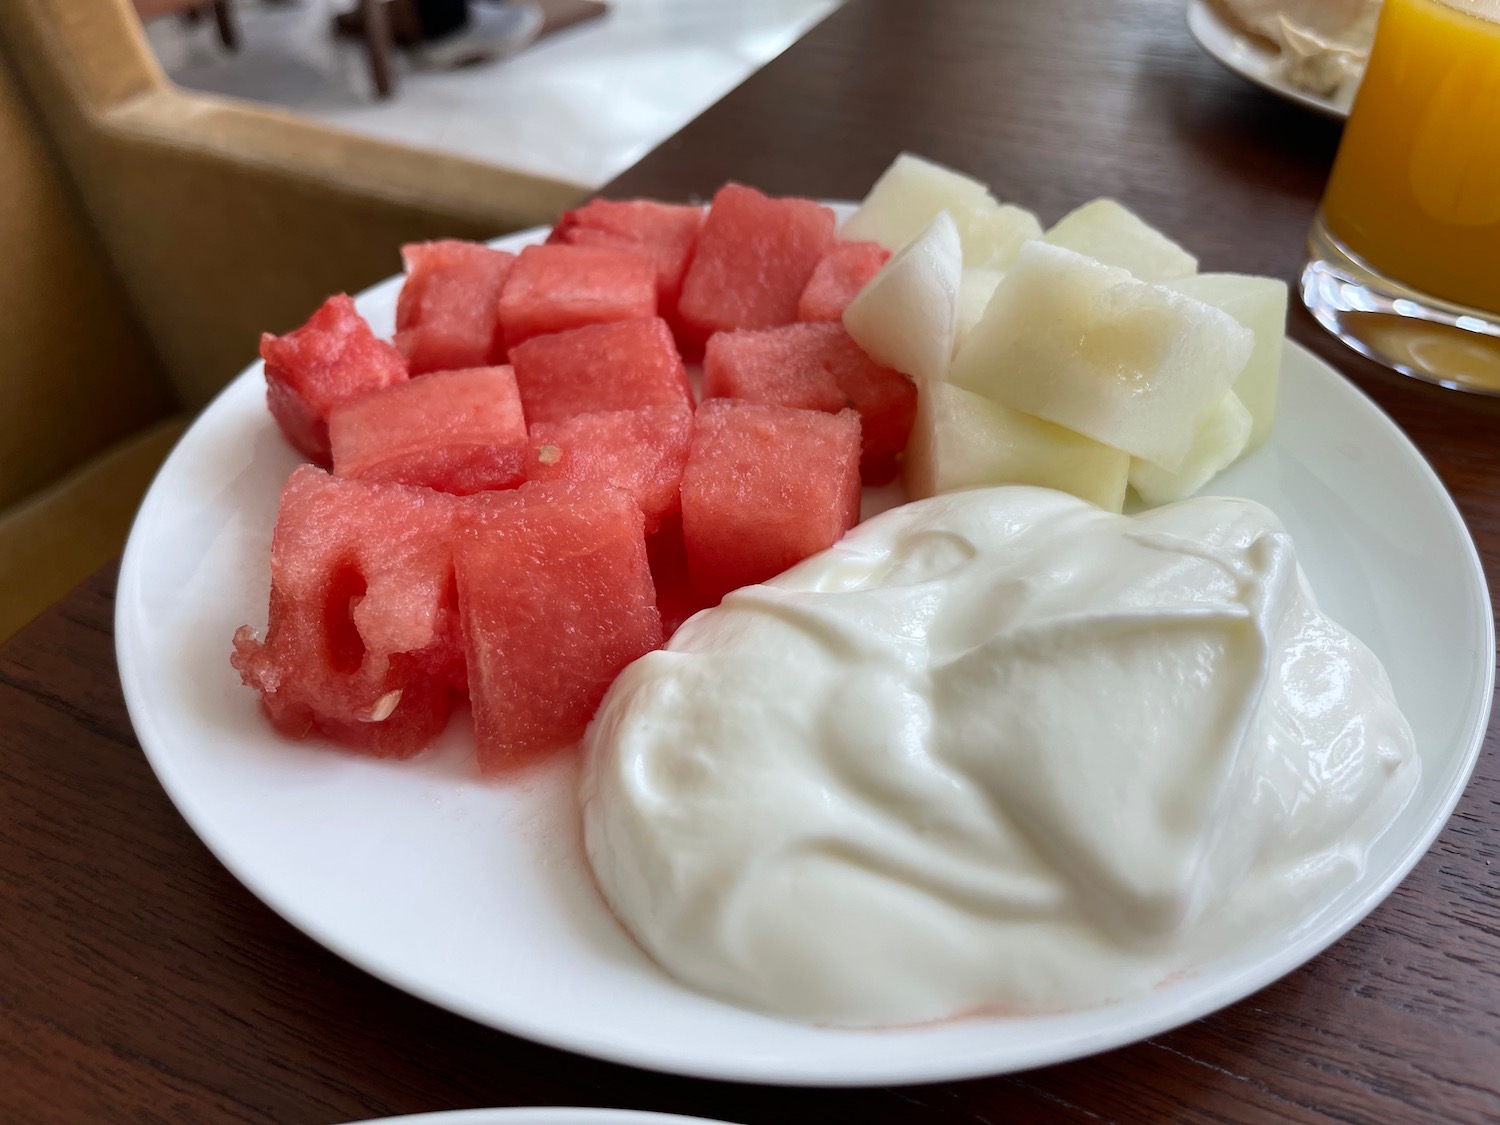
(549, 454)
(383, 707)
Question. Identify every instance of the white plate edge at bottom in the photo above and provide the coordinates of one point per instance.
(541, 1115)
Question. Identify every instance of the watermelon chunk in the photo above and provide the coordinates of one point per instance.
(838, 279)
(448, 315)
(817, 367)
(666, 232)
(362, 645)
(556, 599)
(642, 452)
(784, 366)
(555, 287)
(332, 359)
(765, 487)
(755, 256)
(455, 431)
(618, 366)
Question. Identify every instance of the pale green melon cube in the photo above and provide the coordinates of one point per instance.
(1259, 303)
(906, 315)
(1136, 366)
(975, 288)
(963, 440)
(993, 233)
(1116, 236)
(1219, 441)
(907, 197)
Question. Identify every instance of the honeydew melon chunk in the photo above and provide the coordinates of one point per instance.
(1219, 442)
(1259, 303)
(906, 315)
(1116, 236)
(975, 288)
(1085, 345)
(992, 233)
(907, 197)
(963, 440)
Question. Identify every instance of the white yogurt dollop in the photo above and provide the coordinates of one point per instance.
(995, 750)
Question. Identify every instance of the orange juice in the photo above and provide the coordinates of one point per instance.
(1415, 190)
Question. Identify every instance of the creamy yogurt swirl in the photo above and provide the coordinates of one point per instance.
(994, 750)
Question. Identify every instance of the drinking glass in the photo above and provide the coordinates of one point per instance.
(1404, 256)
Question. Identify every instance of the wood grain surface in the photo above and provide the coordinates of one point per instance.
(139, 982)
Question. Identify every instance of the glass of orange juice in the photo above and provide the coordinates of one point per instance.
(1404, 259)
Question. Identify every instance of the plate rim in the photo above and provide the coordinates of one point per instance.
(1231, 987)
(540, 1115)
(1201, 17)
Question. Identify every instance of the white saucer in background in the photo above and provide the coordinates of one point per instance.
(1255, 62)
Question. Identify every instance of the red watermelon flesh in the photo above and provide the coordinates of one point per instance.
(448, 315)
(817, 367)
(755, 256)
(843, 272)
(667, 232)
(455, 431)
(332, 359)
(362, 645)
(556, 287)
(784, 366)
(765, 487)
(641, 452)
(618, 366)
(555, 599)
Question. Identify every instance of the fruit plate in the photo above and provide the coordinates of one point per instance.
(1255, 62)
(475, 895)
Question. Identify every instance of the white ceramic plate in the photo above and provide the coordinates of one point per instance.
(549, 1116)
(1254, 61)
(475, 896)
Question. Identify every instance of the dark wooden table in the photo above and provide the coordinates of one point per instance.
(139, 982)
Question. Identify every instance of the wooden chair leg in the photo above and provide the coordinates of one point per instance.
(229, 31)
(378, 42)
(406, 25)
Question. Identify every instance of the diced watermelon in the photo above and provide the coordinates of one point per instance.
(641, 452)
(618, 366)
(555, 287)
(668, 232)
(784, 366)
(332, 359)
(455, 431)
(448, 313)
(362, 645)
(755, 256)
(817, 367)
(842, 273)
(765, 487)
(555, 597)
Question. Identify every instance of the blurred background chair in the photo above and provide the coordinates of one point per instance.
(193, 9)
(149, 237)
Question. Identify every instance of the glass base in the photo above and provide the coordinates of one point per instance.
(1407, 330)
